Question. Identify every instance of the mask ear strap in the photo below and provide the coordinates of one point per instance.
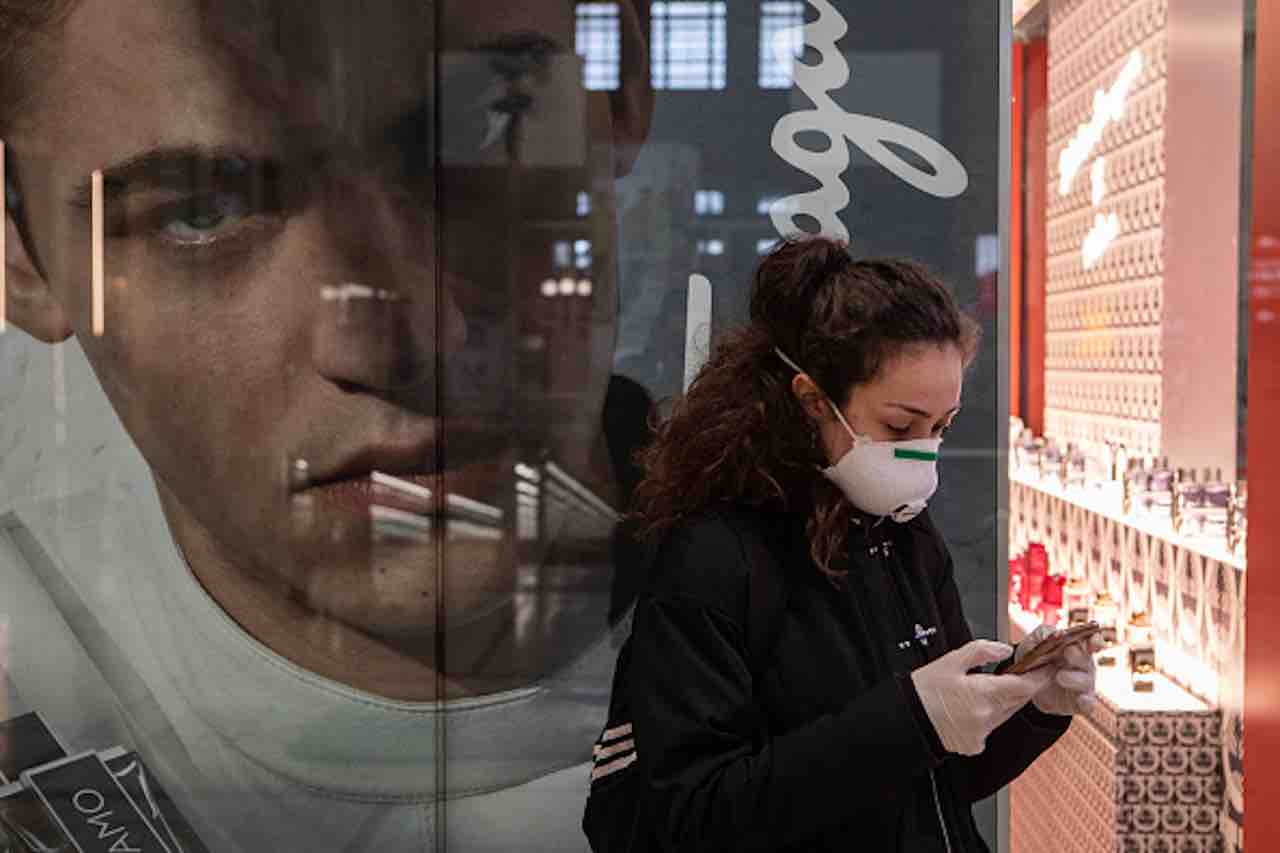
(798, 369)
(840, 415)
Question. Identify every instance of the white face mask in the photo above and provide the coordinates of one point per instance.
(884, 478)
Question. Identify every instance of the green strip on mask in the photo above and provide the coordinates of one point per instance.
(922, 455)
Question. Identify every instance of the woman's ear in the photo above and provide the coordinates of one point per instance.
(29, 301)
(811, 398)
(631, 104)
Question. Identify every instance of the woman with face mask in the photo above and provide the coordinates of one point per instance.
(814, 431)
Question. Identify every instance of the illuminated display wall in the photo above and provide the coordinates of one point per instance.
(1107, 91)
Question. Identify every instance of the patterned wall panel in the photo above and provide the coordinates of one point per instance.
(1124, 782)
(1103, 300)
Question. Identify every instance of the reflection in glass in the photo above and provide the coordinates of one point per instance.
(689, 46)
(781, 41)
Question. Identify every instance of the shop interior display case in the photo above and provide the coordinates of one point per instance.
(1128, 499)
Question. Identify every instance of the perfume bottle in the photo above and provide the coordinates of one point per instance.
(1077, 465)
(1114, 463)
(1076, 599)
(1037, 571)
(1117, 461)
(1105, 613)
(1048, 457)
(1099, 463)
(1237, 518)
(1158, 498)
(1135, 485)
(1051, 599)
(1142, 653)
(1187, 496)
(1025, 452)
(1017, 579)
(1209, 515)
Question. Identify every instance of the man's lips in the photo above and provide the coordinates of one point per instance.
(465, 494)
(414, 453)
(407, 493)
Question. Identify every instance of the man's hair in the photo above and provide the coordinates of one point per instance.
(24, 24)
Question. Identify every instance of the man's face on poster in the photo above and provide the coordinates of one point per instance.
(325, 227)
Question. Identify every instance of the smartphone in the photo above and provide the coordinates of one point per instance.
(1052, 648)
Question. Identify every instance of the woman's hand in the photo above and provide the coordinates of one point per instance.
(965, 708)
(1071, 690)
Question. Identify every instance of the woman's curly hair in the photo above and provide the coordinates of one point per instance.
(741, 436)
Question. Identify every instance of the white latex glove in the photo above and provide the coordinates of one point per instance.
(1071, 690)
(965, 708)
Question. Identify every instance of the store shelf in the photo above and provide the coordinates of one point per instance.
(1114, 686)
(1107, 505)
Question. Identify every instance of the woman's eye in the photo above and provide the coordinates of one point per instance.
(899, 430)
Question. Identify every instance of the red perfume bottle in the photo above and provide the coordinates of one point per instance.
(1051, 599)
(1017, 579)
(1037, 571)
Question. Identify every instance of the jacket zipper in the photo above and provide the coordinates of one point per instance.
(937, 804)
(884, 549)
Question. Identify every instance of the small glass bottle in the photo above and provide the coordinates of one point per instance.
(1142, 653)
(1037, 571)
(1076, 600)
(1158, 499)
(1106, 613)
(1135, 485)
(1187, 498)
(1051, 603)
(1077, 467)
(1237, 518)
(1215, 498)
(1017, 580)
(1050, 460)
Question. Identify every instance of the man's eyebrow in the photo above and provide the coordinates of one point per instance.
(521, 43)
(174, 167)
(920, 412)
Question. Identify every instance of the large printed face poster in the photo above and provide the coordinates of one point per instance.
(330, 330)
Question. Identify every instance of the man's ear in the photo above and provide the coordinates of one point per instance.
(30, 303)
(631, 104)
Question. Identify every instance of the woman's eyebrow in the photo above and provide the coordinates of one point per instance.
(921, 412)
(167, 167)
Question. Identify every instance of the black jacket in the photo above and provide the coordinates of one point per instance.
(833, 749)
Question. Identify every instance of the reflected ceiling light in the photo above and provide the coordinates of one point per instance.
(4, 218)
(549, 287)
(567, 286)
(584, 287)
(99, 308)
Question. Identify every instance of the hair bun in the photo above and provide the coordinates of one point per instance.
(790, 276)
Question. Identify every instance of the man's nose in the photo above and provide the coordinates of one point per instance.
(373, 338)
(387, 317)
